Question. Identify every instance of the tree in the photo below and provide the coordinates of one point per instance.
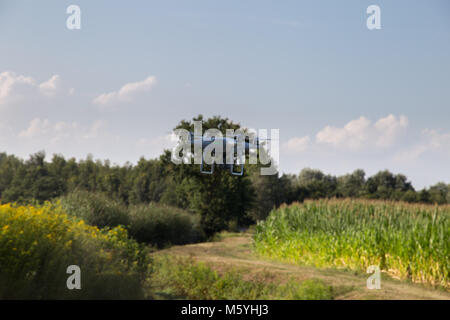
(219, 198)
(385, 185)
(270, 192)
(351, 185)
(439, 193)
(317, 184)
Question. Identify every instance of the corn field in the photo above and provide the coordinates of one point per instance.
(406, 241)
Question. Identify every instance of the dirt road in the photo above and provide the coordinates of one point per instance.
(234, 251)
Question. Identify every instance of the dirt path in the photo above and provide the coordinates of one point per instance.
(235, 252)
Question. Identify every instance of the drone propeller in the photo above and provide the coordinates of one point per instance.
(256, 139)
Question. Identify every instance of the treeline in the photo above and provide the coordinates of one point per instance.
(314, 184)
(221, 200)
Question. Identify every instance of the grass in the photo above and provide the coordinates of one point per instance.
(407, 241)
(183, 278)
(219, 236)
(236, 254)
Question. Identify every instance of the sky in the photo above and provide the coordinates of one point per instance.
(343, 96)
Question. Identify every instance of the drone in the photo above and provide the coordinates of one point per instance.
(228, 143)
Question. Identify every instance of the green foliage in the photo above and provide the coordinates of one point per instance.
(270, 192)
(96, 209)
(351, 185)
(218, 198)
(37, 244)
(407, 241)
(30, 180)
(317, 184)
(313, 289)
(163, 225)
(439, 193)
(385, 185)
(184, 278)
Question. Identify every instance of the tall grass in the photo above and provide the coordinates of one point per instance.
(183, 278)
(407, 241)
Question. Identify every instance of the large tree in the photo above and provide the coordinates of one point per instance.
(220, 198)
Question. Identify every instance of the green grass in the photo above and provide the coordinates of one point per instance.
(182, 278)
(407, 241)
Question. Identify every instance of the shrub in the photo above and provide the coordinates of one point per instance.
(162, 225)
(95, 208)
(313, 289)
(37, 244)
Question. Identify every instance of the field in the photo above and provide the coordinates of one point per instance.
(234, 253)
(315, 250)
(406, 241)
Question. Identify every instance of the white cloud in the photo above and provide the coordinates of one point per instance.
(50, 86)
(126, 93)
(373, 146)
(389, 129)
(297, 145)
(11, 86)
(438, 140)
(352, 135)
(14, 88)
(76, 139)
(432, 142)
(43, 130)
(154, 146)
(360, 133)
(37, 127)
(167, 141)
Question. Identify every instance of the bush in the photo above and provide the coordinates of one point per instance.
(162, 225)
(96, 209)
(37, 244)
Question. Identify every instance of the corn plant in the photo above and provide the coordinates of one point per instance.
(407, 241)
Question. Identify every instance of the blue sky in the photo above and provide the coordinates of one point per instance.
(344, 97)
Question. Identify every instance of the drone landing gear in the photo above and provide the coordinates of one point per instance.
(237, 173)
(206, 171)
(231, 166)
